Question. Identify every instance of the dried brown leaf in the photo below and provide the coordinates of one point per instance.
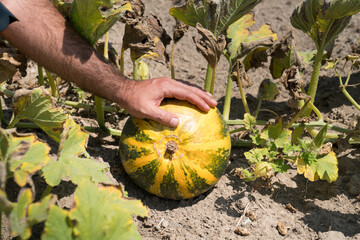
(210, 47)
(291, 80)
(146, 36)
(244, 77)
(138, 9)
(179, 30)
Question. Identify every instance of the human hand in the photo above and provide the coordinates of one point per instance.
(144, 98)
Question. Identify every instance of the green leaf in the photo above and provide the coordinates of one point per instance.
(26, 155)
(256, 57)
(276, 132)
(322, 20)
(320, 138)
(256, 155)
(307, 57)
(69, 164)
(315, 166)
(215, 16)
(37, 106)
(88, 21)
(103, 213)
(342, 8)
(283, 56)
(38, 212)
(249, 121)
(239, 34)
(18, 216)
(280, 166)
(57, 225)
(4, 144)
(268, 90)
(327, 167)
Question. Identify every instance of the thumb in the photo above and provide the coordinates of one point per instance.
(164, 117)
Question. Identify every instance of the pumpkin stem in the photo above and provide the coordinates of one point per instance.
(171, 148)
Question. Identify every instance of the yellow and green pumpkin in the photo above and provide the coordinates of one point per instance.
(181, 162)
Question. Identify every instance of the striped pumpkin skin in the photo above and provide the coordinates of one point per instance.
(201, 148)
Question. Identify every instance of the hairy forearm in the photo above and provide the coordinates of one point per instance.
(44, 36)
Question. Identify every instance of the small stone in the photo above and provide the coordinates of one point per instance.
(165, 223)
(242, 231)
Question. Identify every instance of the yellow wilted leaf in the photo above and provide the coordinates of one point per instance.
(27, 155)
(239, 33)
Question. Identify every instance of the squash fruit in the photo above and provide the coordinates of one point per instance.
(181, 162)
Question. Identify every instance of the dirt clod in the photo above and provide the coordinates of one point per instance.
(242, 231)
(290, 208)
(282, 228)
(251, 215)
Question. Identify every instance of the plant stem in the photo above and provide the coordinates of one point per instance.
(136, 69)
(99, 106)
(315, 78)
(241, 122)
(295, 125)
(122, 69)
(242, 94)
(237, 130)
(298, 114)
(311, 91)
(51, 83)
(172, 67)
(40, 75)
(349, 97)
(240, 143)
(213, 80)
(111, 131)
(106, 45)
(209, 73)
(345, 92)
(107, 108)
(258, 108)
(227, 101)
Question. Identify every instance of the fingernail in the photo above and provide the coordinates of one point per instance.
(209, 94)
(174, 122)
(214, 102)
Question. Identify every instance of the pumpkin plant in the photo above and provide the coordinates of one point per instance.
(312, 158)
(211, 19)
(181, 162)
(145, 37)
(87, 19)
(22, 156)
(243, 48)
(322, 21)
